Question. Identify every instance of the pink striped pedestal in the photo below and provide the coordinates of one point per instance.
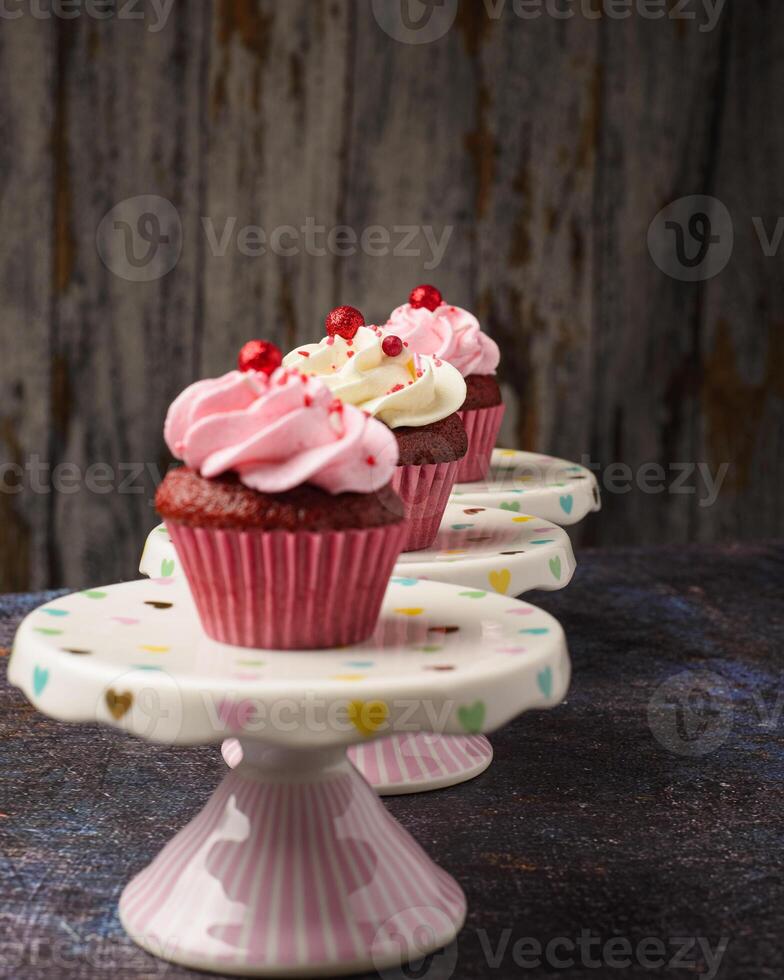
(408, 763)
(293, 868)
(418, 762)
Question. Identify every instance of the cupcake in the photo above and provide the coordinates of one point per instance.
(431, 326)
(283, 515)
(417, 397)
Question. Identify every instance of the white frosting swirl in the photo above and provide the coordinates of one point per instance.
(409, 389)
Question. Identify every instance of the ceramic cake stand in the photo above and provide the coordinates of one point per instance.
(530, 483)
(483, 550)
(294, 867)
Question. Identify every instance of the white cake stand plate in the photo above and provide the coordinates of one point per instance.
(482, 549)
(530, 483)
(294, 867)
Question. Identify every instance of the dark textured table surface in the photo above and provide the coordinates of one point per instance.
(639, 825)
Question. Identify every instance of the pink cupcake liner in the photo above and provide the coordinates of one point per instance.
(481, 425)
(424, 491)
(286, 590)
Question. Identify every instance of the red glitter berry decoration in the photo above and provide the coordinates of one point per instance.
(344, 321)
(427, 296)
(392, 345)
(259, 355)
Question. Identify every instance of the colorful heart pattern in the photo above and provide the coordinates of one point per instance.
(544, 680)
(472, 716)
(235, 715)
(555, 567)
(40, 680)
(567, 502)
(500, 580)
(118, 704)
(367, 716)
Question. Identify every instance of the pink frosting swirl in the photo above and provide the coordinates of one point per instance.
(448, 332)
(278, 432)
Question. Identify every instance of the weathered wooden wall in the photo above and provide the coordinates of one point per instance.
(547, 145)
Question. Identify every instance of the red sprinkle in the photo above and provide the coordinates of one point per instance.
(395, 388)
(308, 401)
(350, 353)
(371, 460)
(392, 345)
(336, 405)
(344, 321)
(304, 353)
(259, 355)
(425, 295)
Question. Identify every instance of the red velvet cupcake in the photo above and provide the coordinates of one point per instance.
(416, 397)
(431, 326)
(283, 517)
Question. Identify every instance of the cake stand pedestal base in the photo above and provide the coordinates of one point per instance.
(293, 868)
(408, 763)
